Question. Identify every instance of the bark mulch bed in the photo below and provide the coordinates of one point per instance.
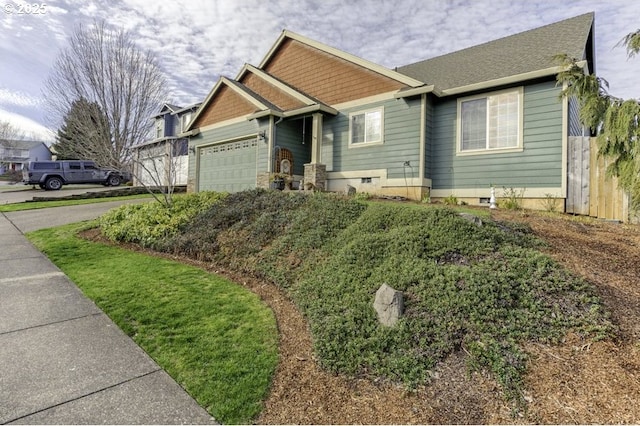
(575, 382)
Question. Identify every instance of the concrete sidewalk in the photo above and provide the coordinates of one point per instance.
(63, 361)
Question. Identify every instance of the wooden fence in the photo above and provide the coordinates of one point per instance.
(589, 190)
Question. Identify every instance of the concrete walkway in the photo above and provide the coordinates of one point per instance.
(63, 361)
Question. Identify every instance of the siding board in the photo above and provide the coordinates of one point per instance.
(538, 165)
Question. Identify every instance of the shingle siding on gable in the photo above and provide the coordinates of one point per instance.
(326, 77)
(268, 91)
(226, 105)
(401, 140)
(539, 165)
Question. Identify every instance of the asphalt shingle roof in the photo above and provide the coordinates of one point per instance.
(521, 53)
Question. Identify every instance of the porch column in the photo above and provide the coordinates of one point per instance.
(315, 173)
(316, 138)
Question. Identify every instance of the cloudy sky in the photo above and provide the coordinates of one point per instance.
(197, 41)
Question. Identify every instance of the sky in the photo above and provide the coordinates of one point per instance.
(197, 41)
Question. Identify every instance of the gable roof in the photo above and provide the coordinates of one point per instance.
(21, 144)
(286, 34)
(514, 58)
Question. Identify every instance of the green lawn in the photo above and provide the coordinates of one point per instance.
(215, 338)
(32, 205)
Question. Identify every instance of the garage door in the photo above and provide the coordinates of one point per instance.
(228, 167)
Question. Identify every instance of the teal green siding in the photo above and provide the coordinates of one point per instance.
(429, 111)
(538, 165)
(401, 140)
(289, 135)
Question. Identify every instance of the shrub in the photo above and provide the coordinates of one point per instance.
(451, 200)
(512, 199)
(150, 223)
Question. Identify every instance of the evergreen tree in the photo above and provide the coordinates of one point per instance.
(84, 134)
(614, 120)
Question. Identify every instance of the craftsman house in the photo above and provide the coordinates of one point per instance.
(163, 159)
(313, 116)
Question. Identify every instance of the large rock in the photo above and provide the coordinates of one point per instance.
(350, 190)
(389, 304)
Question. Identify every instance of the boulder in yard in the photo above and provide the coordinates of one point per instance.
(389, 304)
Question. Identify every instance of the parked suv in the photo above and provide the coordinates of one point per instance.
(51, 175)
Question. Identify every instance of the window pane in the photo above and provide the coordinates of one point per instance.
(503, 120)
(474, 124)
(357, 128)
(373, 128)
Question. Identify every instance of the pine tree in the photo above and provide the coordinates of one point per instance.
(84, 134)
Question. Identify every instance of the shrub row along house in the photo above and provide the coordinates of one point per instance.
(489, 115)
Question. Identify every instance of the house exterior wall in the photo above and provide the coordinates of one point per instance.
(40, 153)
(325, 77)
(391, 168)
(539, 165)
(401, 140)
(575, 126)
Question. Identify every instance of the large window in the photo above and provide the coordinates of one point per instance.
(490, 122)
(366, 127)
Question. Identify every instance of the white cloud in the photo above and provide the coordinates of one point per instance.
(29, 128)
(197, 41)
(17, 98)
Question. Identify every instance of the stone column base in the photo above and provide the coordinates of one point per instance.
(315, 177)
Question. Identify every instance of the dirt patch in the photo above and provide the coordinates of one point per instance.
(575, 382)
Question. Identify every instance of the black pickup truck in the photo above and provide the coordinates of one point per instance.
(51, 175)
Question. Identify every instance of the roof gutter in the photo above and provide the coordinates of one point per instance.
(508, 80)
(292, 113)
(416, 91)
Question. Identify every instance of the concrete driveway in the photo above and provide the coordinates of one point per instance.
(62, 360)
(32, 220)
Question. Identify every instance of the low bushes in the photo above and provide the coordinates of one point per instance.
(482, 289)
(147, 224)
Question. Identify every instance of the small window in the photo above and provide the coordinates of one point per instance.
(159, 128)
(366, 127)
(75, 166)
(365, 180)
(186, 118)
(90, 166)
(490, 122)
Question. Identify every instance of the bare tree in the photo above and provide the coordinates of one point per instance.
(9, 138)
(105, 68)
(158, 166)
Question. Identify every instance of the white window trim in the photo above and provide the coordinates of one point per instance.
(159, 128)
(518, 148)
(365, 111)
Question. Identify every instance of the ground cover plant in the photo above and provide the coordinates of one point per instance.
(481, 289)
(215, 338)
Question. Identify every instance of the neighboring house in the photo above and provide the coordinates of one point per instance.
(163, 160)
(15, 154)
(489, 115)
